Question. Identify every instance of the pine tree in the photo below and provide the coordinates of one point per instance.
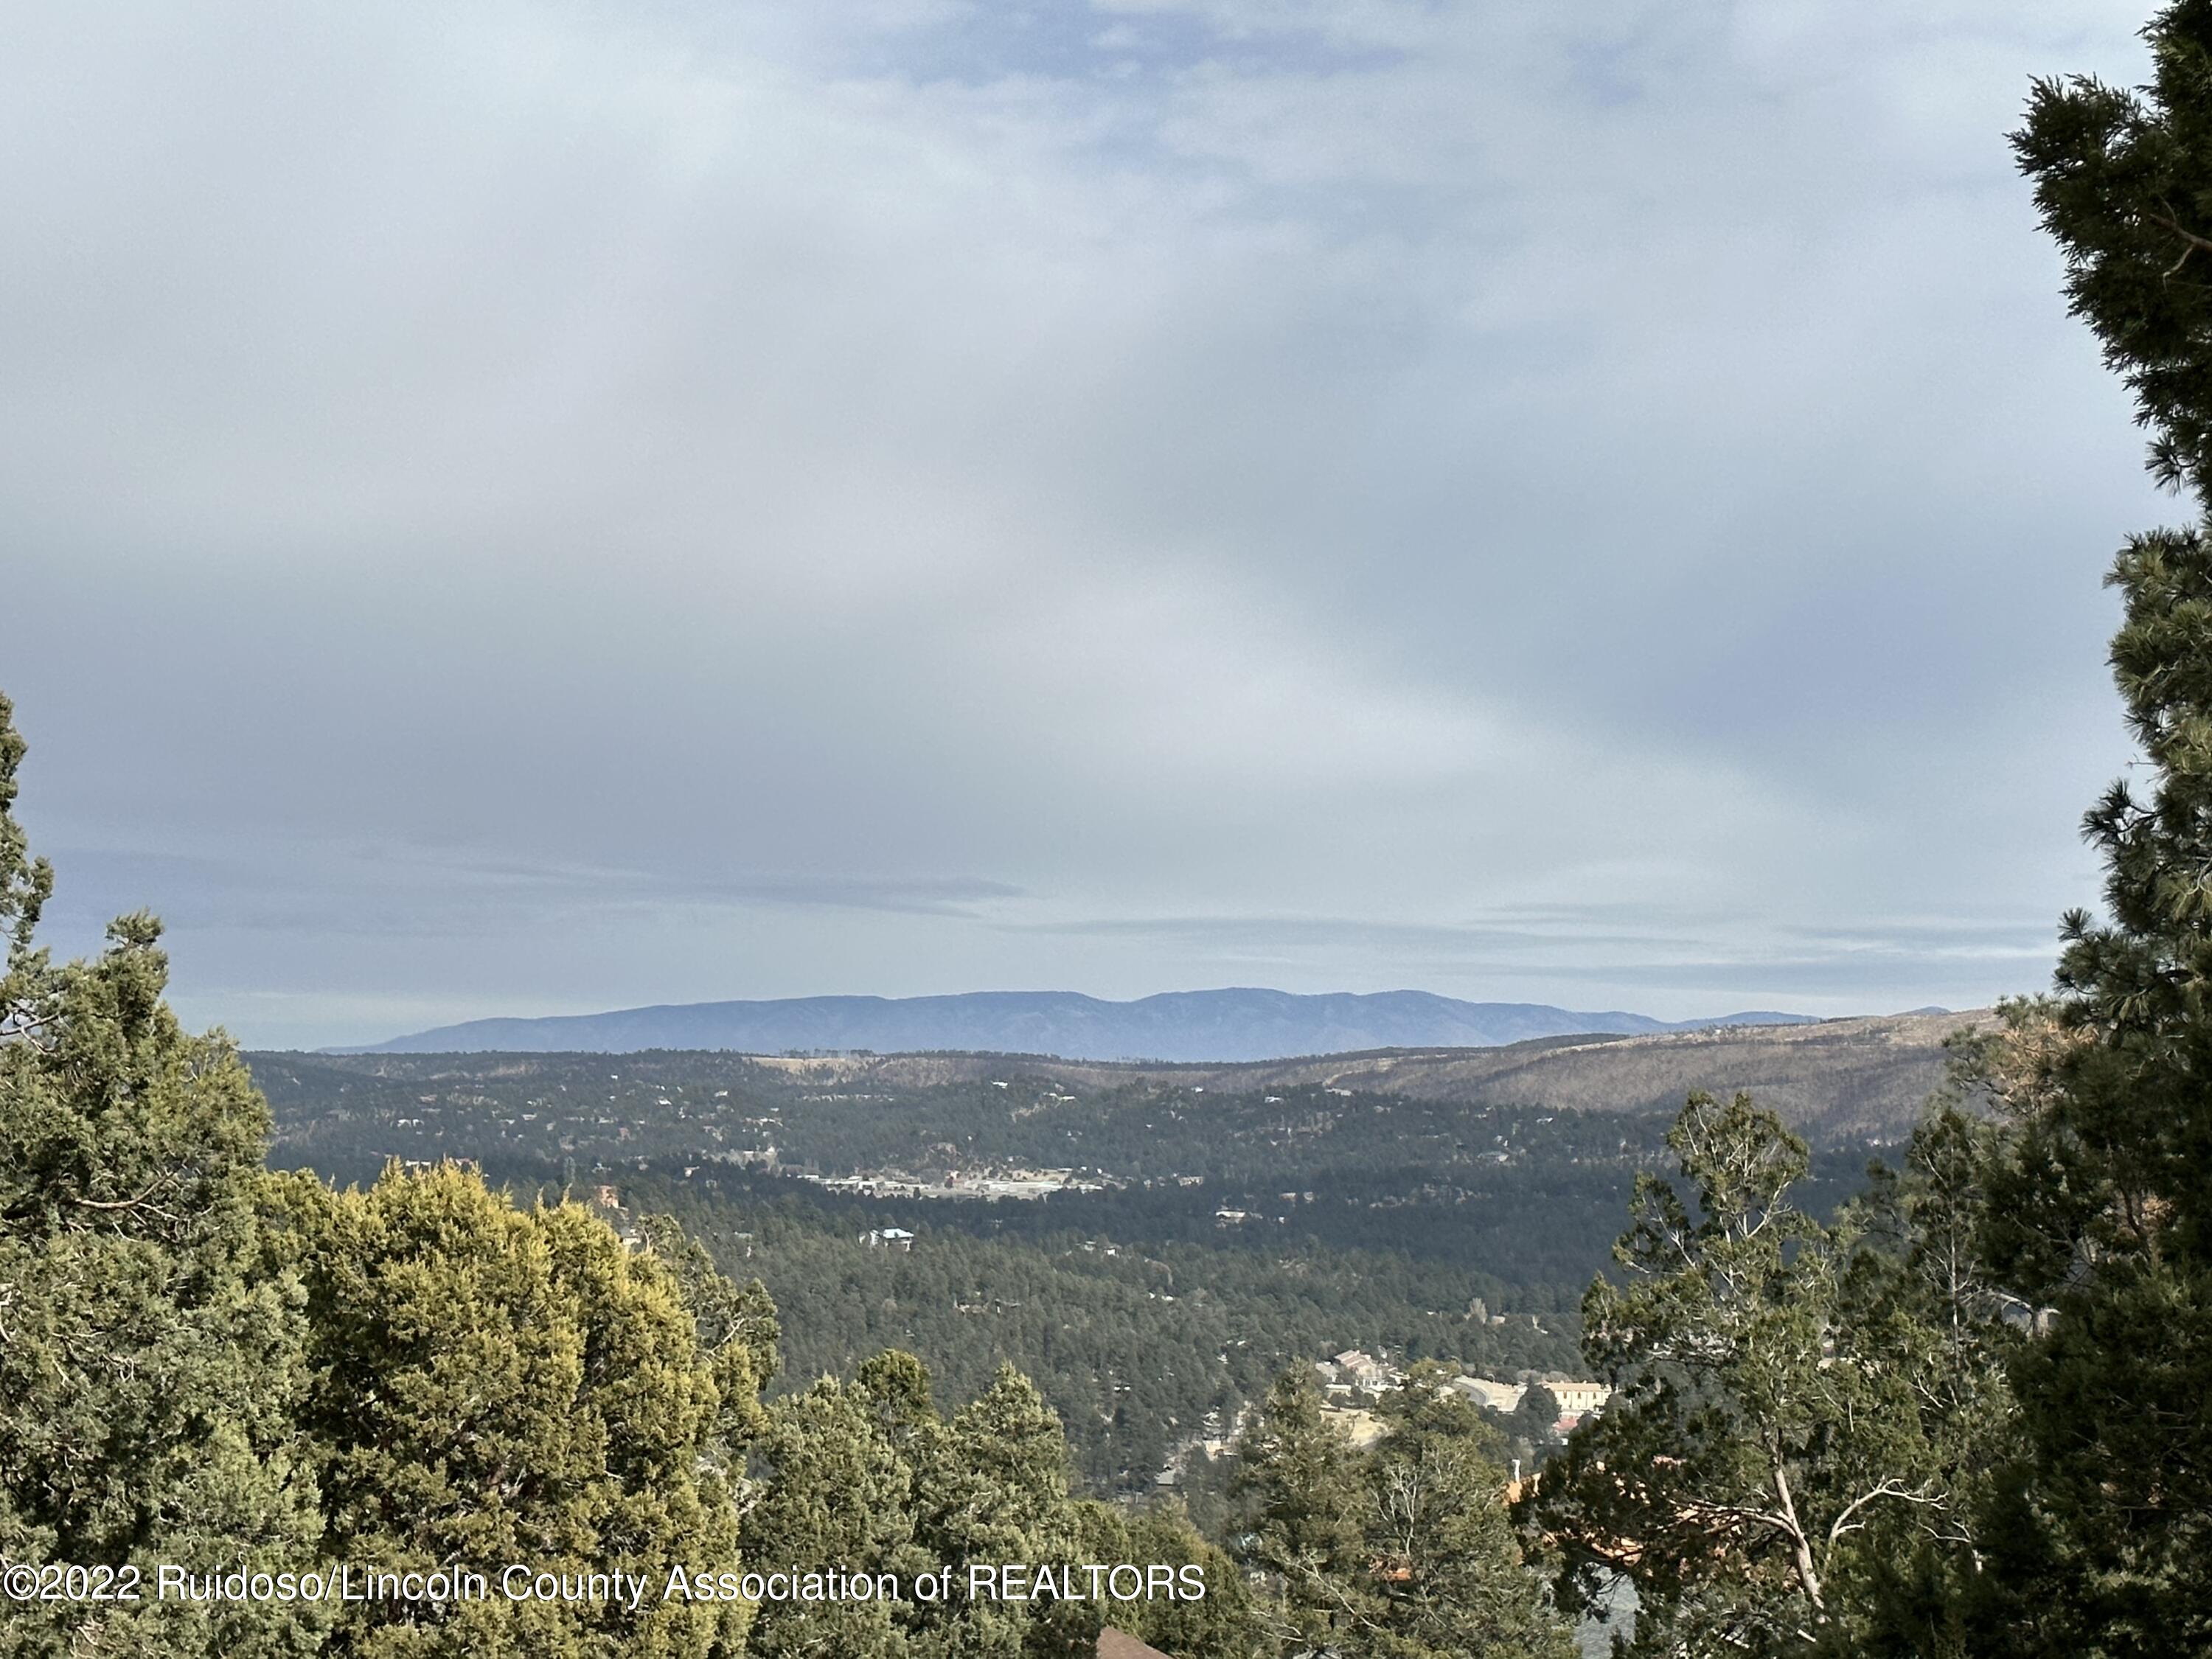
(149, 1355)
(1795, 1429)
(1452, 1579)
(1403, 1551)
(2124, 182)
(1299, 1484)
(1220, 1624)
(995, 1489)
(2101, 1530)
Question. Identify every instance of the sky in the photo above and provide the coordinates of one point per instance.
(531, 509)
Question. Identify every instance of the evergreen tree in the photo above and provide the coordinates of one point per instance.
(2124, 182)
(866, 1477)
(1221, 1625)
(995, 1489)
(737, 1328)
(2101, 1534)
(836, 1494)
(1918, 1299)
(492, 1385)
(1451, 1578)
(1403, 1551)
(1534, 1422)
(896, 1387)
(1298, 1482)
(1793, 1430)
(148, 1355)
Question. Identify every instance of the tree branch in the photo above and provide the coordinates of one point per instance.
(1890, 1488)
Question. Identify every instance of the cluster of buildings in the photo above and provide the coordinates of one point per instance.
(1013, 1182)
(1218, 1440)
(1576, 1399)
(1356, 1371)
(1354, 1378)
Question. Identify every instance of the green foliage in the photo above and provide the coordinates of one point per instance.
(491, 1385)
(26, 883)
(1139, 1347)
(837, 1493)
(147, 1355)
(736, 1328)
(1300, 1487)
(996, 1490)
(2101, 1527)
(1530, 1423)
(1526, 1196)
(1375, 1221)
(2121, 181)
(1799, 1410)
(1454, 1581)
(1403, 1550)
(2105, 1206)
(866, 1477)
(1224, 1625)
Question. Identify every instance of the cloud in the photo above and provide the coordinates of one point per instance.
(429, 893)
(535, 509)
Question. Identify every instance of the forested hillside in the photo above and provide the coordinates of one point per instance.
(1525, 1191)
(1189, 1244)
(1140, 1346)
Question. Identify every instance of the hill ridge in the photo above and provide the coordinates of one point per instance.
(1226, 1025)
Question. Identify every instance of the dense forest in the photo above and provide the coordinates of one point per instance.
(1530, 1195)
(1139, 1347)
(1414, 1230)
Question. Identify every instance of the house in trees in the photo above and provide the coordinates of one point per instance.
(1578, 1400)
(1502, 1397)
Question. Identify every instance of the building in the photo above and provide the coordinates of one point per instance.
(1578, 1400)
(1497, 1397)
(1363, 1371)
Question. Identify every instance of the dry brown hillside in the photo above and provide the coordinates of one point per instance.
(1853, 1077)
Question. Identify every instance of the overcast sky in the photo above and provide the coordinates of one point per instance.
(534, 509)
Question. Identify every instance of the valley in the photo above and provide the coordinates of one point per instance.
(1150, 1243)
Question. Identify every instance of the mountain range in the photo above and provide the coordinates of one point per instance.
(1222, 1025)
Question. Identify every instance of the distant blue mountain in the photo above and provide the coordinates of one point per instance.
(1179, 1025)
